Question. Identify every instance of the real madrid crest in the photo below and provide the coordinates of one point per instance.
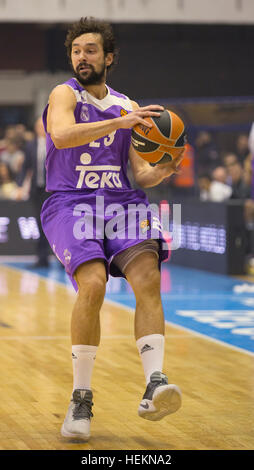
(84, 113)
(67, 256)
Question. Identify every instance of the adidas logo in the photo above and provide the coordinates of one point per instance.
(145, 348)
(73, 356)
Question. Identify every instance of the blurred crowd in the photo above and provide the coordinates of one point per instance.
(215, 175)
(17, 165)
(223, 175)
(212, 174)
(207, 173)
(23, 174)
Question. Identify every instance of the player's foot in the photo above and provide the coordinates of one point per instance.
(79, 414)
(160, 398)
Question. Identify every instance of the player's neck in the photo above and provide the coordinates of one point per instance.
(98, 91)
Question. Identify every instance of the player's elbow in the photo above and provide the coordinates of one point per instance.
(141, 180)
(59, 145)
(144, 180)
(145, 184)
(57, 140)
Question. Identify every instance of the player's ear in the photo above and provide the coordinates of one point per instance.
(109, 59)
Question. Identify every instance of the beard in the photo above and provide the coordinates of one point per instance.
(90, 77)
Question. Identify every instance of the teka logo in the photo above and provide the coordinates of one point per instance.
(97, 176)
(4, 222)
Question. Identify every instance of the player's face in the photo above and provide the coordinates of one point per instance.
(88, 60)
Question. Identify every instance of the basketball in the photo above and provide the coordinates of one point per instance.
(161, 143)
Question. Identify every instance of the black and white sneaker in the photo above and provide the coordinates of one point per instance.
(78, 418)
(160, 398)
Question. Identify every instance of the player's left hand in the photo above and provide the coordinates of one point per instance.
(172, 167)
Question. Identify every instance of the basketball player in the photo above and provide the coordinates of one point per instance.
(88, 127)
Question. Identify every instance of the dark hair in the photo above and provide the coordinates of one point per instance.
(205, 175)
(92, 25)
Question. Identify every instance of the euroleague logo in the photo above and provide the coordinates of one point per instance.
(123, 112)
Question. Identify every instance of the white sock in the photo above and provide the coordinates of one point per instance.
(83, 357)
(151, 351)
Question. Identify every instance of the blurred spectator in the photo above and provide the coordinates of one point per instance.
(206, 153)
(10, 132)
(2, 146)
(229, 159)
(28, 135)
(220, 174)
(247, 170)
(20, 130)
(23, 134)
(204, 182)
(251, 148)
(34, 167)
(242, 147)
(8, 187)
(35, 155)
(17, 132)
(13, 156)
(249, 213)
(213, 190)
(184, 181)
(240, 189)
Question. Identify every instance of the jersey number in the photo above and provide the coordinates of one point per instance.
(108, 140)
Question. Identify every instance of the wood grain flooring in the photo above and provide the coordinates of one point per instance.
(217, 382)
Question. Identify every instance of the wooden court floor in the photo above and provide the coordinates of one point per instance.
(217, 381)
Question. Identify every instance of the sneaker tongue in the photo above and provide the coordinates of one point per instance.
(82, 394)
(79, 394)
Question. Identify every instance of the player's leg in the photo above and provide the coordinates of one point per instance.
(85, 323)
(160, 398)
(85, 332)
(144, 277)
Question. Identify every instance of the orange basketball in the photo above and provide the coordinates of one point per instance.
(161, 143)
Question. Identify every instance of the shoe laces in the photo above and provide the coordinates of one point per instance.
(83, 405)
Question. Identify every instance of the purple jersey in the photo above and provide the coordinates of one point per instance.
(99, 164)
(89, 185)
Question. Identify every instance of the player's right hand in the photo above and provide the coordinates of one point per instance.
(137, 116)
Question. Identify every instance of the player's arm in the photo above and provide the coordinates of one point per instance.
(61, 124)
(144, 174)
(66, 133)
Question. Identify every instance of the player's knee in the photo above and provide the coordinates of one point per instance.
(92, 289)
(148, 283)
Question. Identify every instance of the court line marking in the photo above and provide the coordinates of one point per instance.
(189, 330)
(54, 338)
(131, 310)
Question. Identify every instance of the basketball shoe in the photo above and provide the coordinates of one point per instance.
(160, 398)
(79, 414)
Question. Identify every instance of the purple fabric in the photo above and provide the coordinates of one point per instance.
(65, 167)
(77, 176)
(68, 231)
